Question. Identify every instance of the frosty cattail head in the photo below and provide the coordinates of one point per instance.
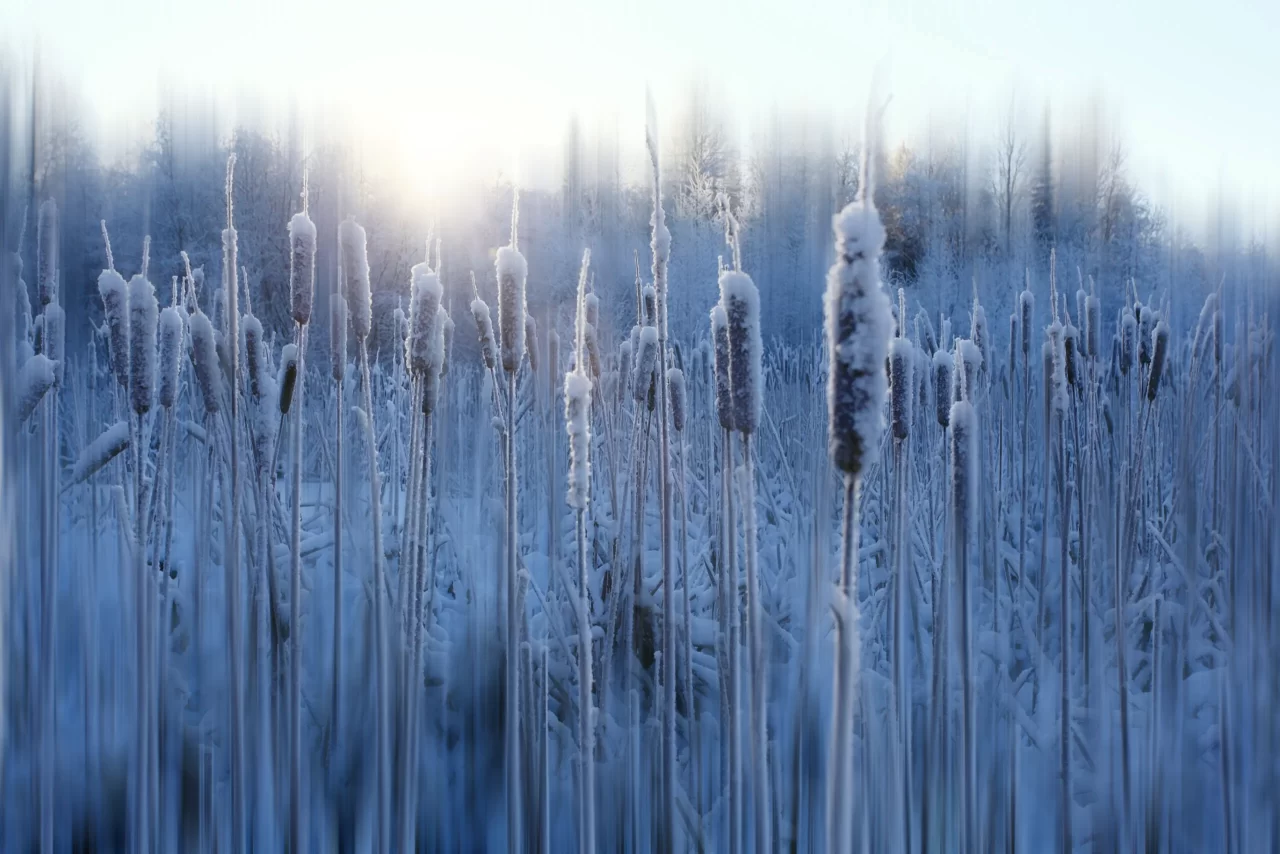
(21, 317)
(1082, 296)
(47, 253)
(255, 357)
(649, 304)
(531, 341)
(102, 450)
(35, 379)
(512, 272)
(55, 338)
(969, 359)
(858, 325)
(1027, 306)
(1147, 318)
(943, 366)
(741, 301)
(675, 387)
(302, 266)
(115, 305)
(1092, 326)
(446, 339)
(287, 376)
(646, 363)
(1128, 341)
(204, 358)
(901, 385)
(338, 335)
(354, 251)
(1071, 349)
(484, 328)
(964, 436)
(592, 303)
(978, 333)
(1159, 357)
(1056, 350)
(424, 304)
(1217, 336)
(724, 395)
(143, 317)
(170, 355)
(577, 409)
(1204, 325)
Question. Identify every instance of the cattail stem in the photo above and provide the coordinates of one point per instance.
(296, 824)
(515, 830)
(729, 574)
(840, 795)
(586, 725)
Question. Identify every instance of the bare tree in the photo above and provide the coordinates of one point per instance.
(1011, 156)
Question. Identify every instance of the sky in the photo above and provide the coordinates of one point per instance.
(1190, 89)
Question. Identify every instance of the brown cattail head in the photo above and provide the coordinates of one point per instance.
(1159, 357)
(287, 376)
(531, 341)
(338, 335)
(942, 369)
(741, 301)
(675, 387)
(1071, 348)
(901, 383)
(1027, 306)
(724, 396)
(302, 267)
(47, 253)
(170, 355)
(143, 317)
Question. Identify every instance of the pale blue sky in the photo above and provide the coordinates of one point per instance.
(1192, 89)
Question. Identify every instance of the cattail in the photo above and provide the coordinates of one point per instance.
(143, 317)
(592, 344)
(724, 395)
(47, 253)
(1128, 341)
(857, 330)
(22, 311)
(512, 272)
(255, 361)
(964, 434)
(978, 333)
(1071, 346)
(55, 338)
(484, 326)
(970, 363)
(649, 301)
(170, 355)
(646, 363)
(1147, 318)
(1092, 326)
(424, 305)
(741, 301)
(1014, 337)
(675, 385)
(1027, 305)
(593, 310)
(102, 450)
(624, 363)
(302, 266)
(1113, 370)
(354, 251)
(446, 337)
(1159, 357)
(115, 305)
(1055, 350)
(1204, 325)
(287, 376)
(531, 341)
(1217, 336)
(436, 364)
(34, 380)
(901, 379)
(204, 358)
(338, 335)
(1082, 297)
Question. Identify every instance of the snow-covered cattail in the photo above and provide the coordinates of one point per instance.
(1128, 341)
(204, 358)
(484, 327)
(978, 333)
(512, 272)
(1092, 326)
(1056, 352)
(901, 381)
(1027, 305)
(255, 357)
(47, 253)
(22, 310)
(287, 376)
(338, 335)
(942, 369)
(724, 395)
(1071, 349)
(170, 355)
(1014, 339)
(1147, 317)
(1217, 336)
(646, 362)
(1159, 357)
(34, 379)
(1204, 325)
(577, 407)
(424, 305)
(624, 362)
(531, 341)
(55, 338)
(858, 325)
(144, 313)
(741, 301)
(354, 250)
(115, 305)
(102, 450)
(593, 309)
(964, 435)
(302, 266)
(446, 338)
(675, 386)
(592, 343)
(969, 361)
(649, 302)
